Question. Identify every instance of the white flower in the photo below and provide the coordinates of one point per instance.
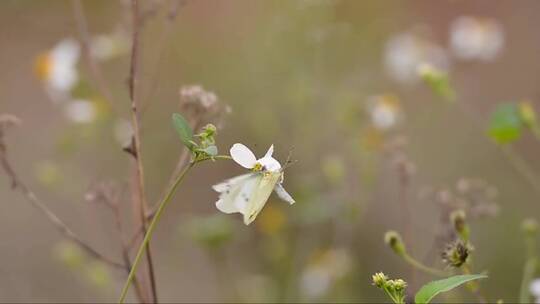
(315, 282)
(107, 46)
(81, 111)
(534, 288)
(405, 52)
(327, 268)
(243, 156)
(474, 38)
(58, 67)
(384, 111)
(247, 194)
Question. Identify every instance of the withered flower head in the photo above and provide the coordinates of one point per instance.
(196, 94)
(394, 241)
(456, 253)
(199, 105)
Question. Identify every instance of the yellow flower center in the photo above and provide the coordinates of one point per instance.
(43, 66)
(257, 167)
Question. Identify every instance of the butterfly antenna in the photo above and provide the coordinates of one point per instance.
(289, 162)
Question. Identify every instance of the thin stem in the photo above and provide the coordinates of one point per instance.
(160, 46)
(93, 66)
(521, 167)
(164, 202)
(404, 185)
(391, 295)
(136, 147)
(125, 248)
(528, 273)
(528, 270)
(418, 265)
(151, 227)
(17, 183)
(473, 286)
(519, 164)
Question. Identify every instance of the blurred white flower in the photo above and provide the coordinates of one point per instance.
(384, 111)
(58, 66)
(123, 131)
(405, 52)
(315, 282)
(322, 273)
(107, 46)
(81, 111)
(476, 39)
(534, 288)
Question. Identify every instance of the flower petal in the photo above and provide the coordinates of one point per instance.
(270, 151)
(269, 163)
(243, 156)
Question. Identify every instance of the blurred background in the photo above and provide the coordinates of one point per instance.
(336, 83)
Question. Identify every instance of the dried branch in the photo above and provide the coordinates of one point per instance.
(139, 197)
(86, 42)
(18, 184)
(110, 195)
(160, 46)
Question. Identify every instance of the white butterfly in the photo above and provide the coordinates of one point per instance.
(247, 194)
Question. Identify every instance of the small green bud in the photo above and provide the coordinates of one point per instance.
(393, 240)
(379, 279)
(394, 288)
(530, 226)
(399, 285)
(210, 130)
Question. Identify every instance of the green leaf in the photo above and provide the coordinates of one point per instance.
(184, 130)
(506, 124)
(430, 290)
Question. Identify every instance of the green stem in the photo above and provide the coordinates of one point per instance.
(391, 295)
(422, 267)
(528, 271)
(521, 166)
(151, 227)
(473, 286)
(155, 220)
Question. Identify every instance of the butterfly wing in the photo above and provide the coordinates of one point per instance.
(263, 187)
(229, 183)
(282, 194)
(232, 190)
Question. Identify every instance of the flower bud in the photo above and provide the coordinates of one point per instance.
(393, 239)
(210, 130)
(379, 279)
(399, 285)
